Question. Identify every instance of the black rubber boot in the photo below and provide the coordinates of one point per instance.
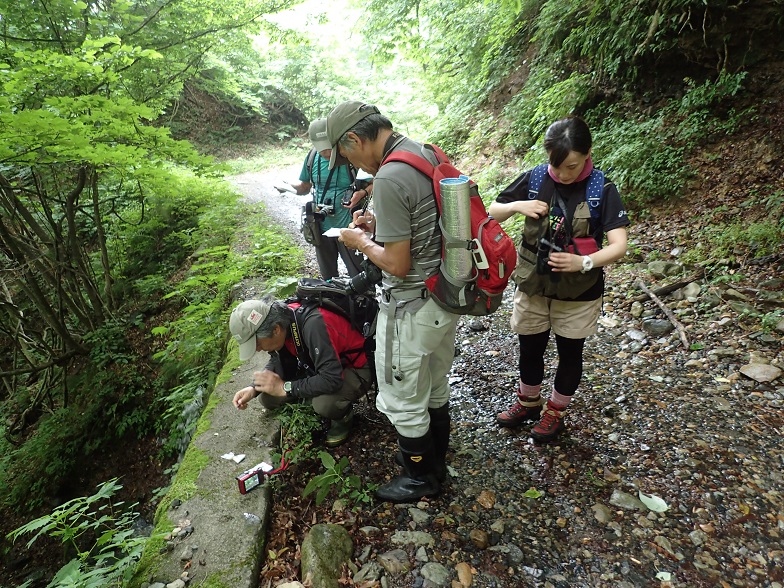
(417, 479)
(440, 427)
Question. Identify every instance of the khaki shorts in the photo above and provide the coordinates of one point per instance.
(573, 320)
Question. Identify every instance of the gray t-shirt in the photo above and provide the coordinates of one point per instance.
(405, 209)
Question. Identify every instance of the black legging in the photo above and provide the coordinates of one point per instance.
(570, 361)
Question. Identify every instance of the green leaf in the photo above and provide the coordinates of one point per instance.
(68, 574)
(533, 493)
(105, 538)
(327, 460)
(312, 485)
(322, 494)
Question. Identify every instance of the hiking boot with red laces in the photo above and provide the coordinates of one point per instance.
(520, 412)
(550, 425)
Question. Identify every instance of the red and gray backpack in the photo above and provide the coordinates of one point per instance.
(493, 252)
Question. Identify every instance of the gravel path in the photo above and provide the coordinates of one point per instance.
(684, 427)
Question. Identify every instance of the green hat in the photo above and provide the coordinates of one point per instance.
(318, 134)
(342, 118)
(245, 320)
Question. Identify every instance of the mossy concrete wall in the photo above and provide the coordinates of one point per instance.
(229, 528)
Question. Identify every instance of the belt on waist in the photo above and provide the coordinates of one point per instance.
(404, 295)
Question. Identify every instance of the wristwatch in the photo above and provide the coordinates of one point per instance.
(587, 264)
(287, 389)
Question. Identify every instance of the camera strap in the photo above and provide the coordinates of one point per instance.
(326, 186)
(390, 144)
(567, 221)
(303, 357)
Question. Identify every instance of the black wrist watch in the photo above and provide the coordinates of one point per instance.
(287, 389)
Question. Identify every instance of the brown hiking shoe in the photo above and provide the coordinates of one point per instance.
(549, 426)
(520, 412)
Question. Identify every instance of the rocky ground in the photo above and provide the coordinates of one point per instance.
(670, 473)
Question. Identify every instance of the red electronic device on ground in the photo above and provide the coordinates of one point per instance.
(254, 477)
(250, 479)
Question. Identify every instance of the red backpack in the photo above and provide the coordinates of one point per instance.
(493, 252)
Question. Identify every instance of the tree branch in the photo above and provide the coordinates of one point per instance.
(667, 311)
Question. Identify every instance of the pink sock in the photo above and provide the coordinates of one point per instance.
(559, 401)
(527, 392)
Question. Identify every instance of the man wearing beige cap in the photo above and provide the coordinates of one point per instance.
(415, 336)
(329, 367)
(328, 187)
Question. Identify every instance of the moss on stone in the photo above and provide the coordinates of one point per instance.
(214, 581)
(232, 363)
(152, 555)
(182, 488)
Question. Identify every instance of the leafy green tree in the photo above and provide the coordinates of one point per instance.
(84, 160)
(509, 54)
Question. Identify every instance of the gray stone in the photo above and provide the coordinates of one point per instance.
(497, 526)
(365, 554)
(421, 555)
(663, 542)
(734, 294)
(477, 325)
(742, 307)
(691, 290)
(370, 572)
(395, 562)
(710, 300)
(657, 327)
(435, 573)
(636, 346)
(515, 555)
(418, 516)
(602, 513)
(416, 537)
(698, 537)
(636, 335)
(627, 501)
(760, 372)
(369, 530)
(324, 551)
(662, 269)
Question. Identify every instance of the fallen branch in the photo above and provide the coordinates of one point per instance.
(667, 311)
(664, 290)
(764, 260)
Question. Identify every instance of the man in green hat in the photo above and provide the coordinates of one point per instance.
(416, 337)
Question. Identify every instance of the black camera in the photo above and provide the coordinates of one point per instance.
(542, 257)
(365, 280)
(355, 187)
(324, 209)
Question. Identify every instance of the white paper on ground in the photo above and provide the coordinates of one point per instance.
(236, 458)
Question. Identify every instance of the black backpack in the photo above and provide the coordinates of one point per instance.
(360, 309)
